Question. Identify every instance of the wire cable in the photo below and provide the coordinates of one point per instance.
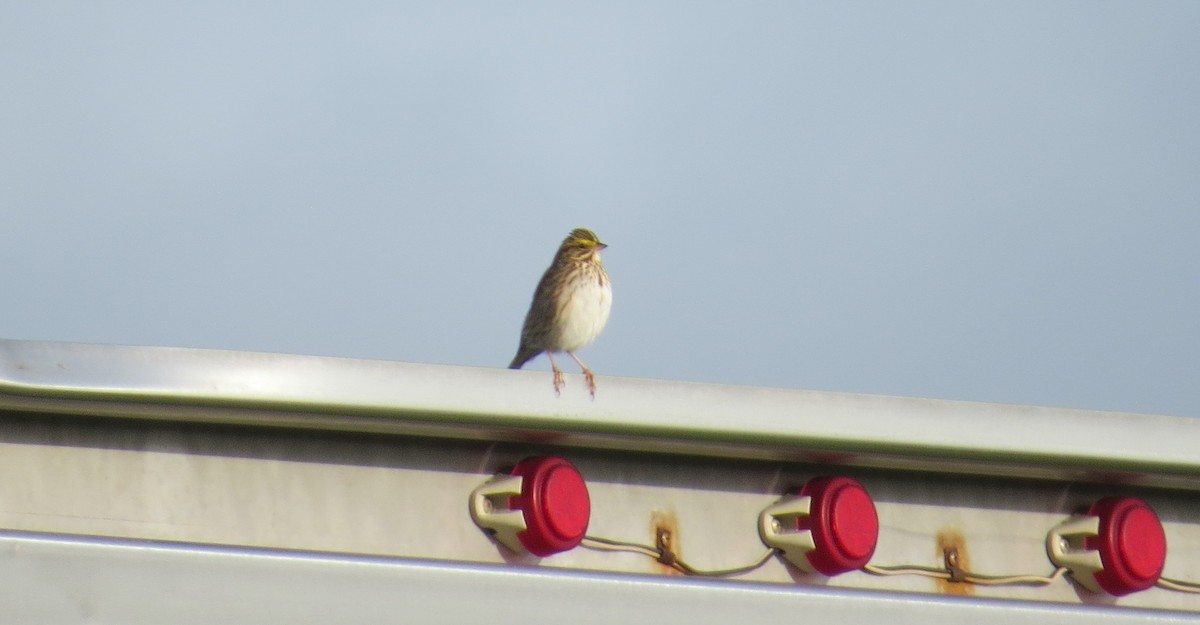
(968, 578)
(598, 543)
(1178, 585)
(666, 558)
(683, 566)
(1016, 580)
(924, 571)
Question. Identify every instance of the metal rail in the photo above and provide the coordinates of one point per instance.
(279, 390)
(51, 579)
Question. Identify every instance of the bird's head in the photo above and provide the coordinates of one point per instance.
(581, 243)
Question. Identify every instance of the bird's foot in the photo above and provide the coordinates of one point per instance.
(559, 381)
(591, 382)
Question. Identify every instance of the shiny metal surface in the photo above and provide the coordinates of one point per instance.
(279, 390)
(135, 444)
(53, 580)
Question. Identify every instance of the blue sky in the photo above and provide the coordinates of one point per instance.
(994, 201)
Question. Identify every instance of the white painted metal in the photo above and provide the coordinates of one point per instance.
(50, 581)
(501, 405)
(380, 459)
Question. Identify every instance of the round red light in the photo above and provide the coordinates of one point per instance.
(843, 522)
(555, 503)
(1131, 542)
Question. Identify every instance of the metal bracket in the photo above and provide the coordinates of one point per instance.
(773, 527)
(490, 511)
(1064, 545)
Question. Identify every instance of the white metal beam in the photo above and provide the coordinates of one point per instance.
(649, 415)
(52, 580)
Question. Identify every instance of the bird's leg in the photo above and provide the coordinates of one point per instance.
(559, 379)
(587, 374)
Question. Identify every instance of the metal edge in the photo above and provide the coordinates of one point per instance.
(53, 579)
(282, 390)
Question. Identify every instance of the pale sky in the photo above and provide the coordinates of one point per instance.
(992, 201)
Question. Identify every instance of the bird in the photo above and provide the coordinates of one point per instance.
(570, 306)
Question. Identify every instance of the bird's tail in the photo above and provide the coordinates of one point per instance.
(524, 355)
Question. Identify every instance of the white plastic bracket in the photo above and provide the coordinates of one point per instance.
(1064, 544)
(776, 526)
(490, 511)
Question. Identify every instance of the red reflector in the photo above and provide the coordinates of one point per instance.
(1131, 543)
(555, 503)
(844, 524)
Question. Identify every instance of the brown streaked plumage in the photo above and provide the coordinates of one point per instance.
(570, 306)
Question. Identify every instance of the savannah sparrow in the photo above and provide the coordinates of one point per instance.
(570, 306)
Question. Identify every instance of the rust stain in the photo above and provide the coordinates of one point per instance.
(952, 553)
(664, 534)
